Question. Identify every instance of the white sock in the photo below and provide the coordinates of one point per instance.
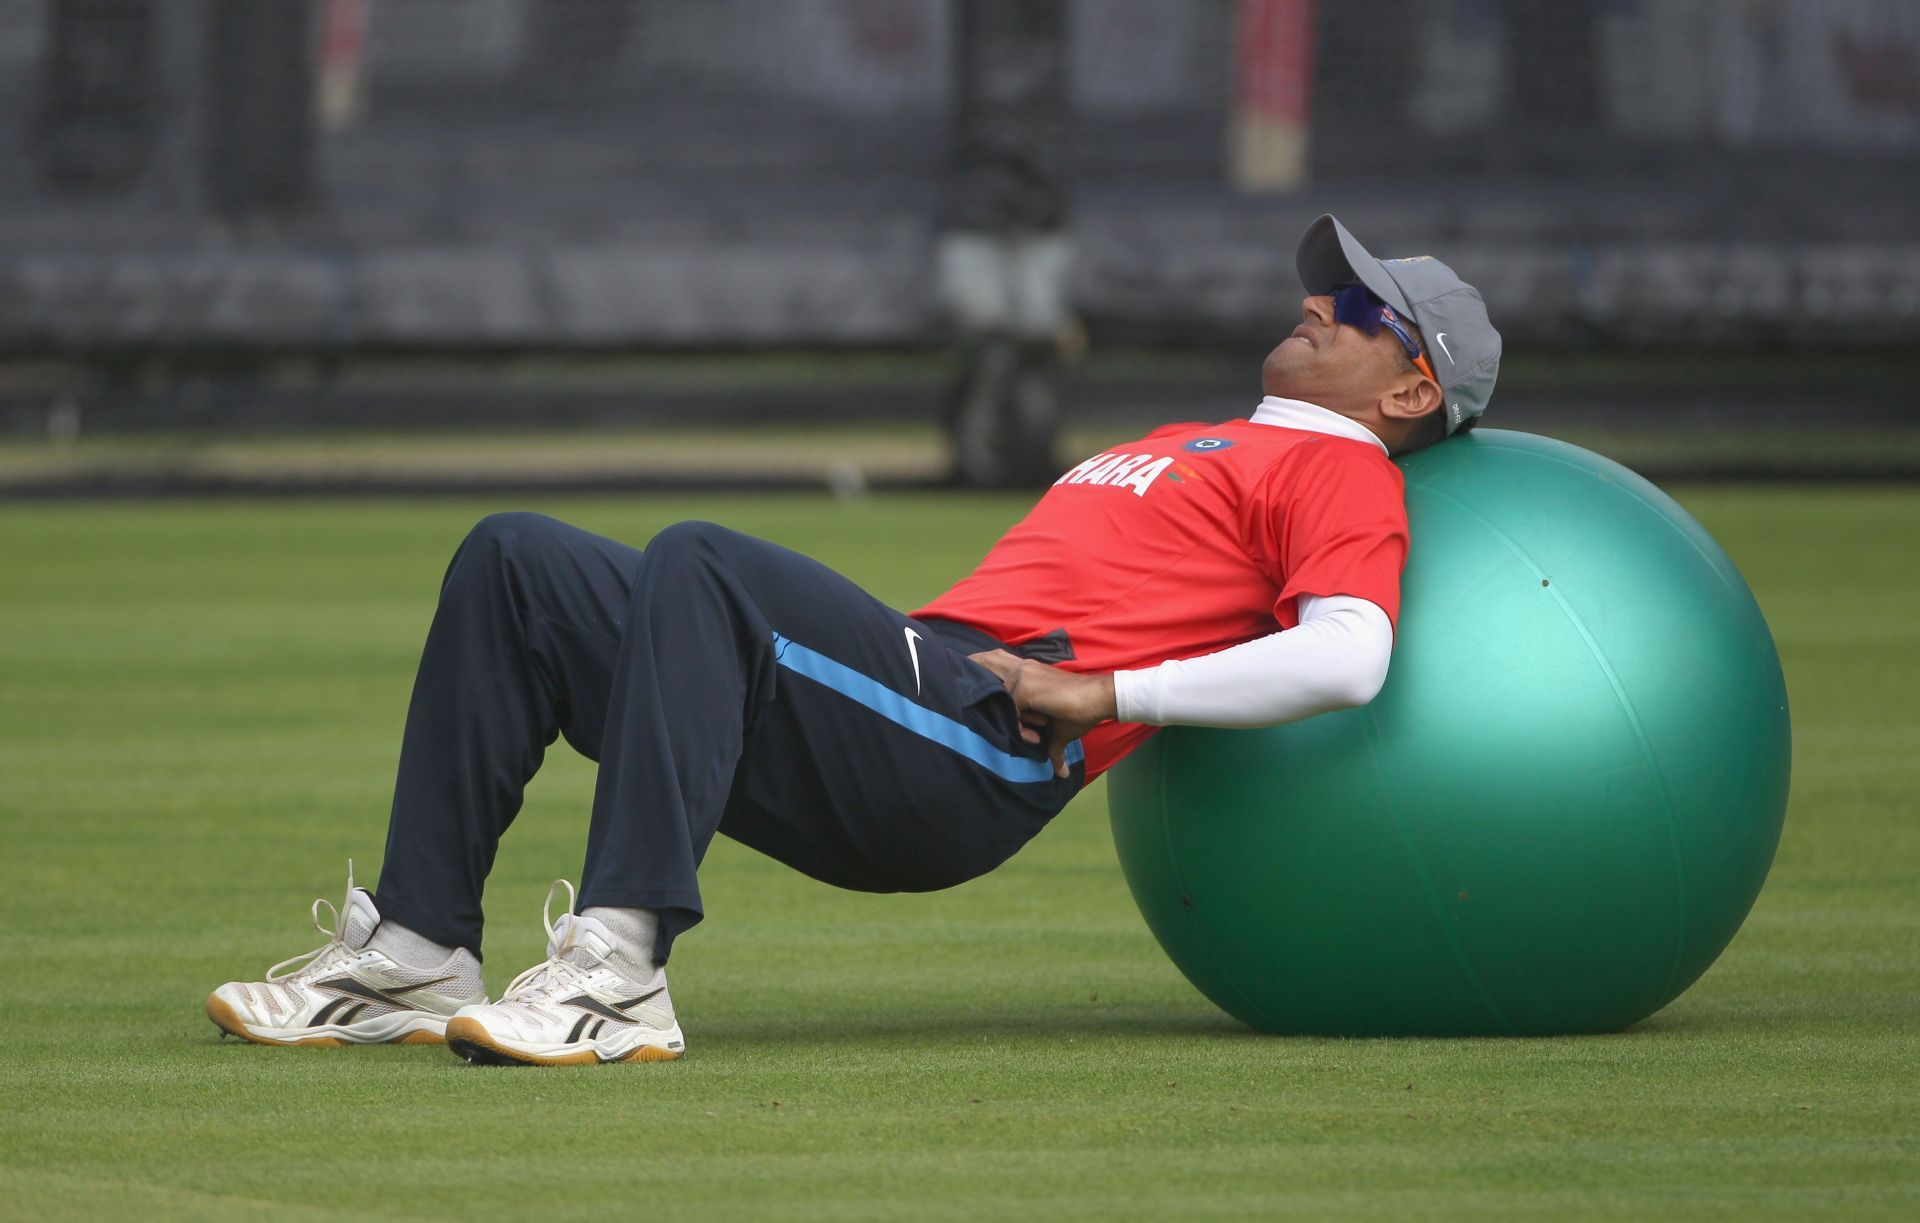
(634, 932)
(414, 950)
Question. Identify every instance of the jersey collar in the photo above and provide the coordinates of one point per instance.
(1299, 414)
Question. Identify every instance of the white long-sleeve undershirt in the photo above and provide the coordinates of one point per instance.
(1335, 658)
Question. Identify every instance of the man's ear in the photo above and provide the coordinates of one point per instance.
(1414, 397)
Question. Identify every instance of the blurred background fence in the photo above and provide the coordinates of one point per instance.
(1715, 193)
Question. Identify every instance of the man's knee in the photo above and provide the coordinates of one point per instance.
(510, 528)
(512, 538)
(705, 557)
(688, 542)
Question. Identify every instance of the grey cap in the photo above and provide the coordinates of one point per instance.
(1462, 345)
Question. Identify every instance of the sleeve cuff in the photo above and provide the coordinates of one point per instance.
(1136, 696)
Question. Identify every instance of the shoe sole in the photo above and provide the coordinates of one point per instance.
(227, 1020)
(468, 1039)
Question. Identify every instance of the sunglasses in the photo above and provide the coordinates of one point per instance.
(1358, 306)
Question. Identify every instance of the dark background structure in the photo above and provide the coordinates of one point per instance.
(195, 192)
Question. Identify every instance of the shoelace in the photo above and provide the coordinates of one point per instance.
(324, 957)
(555, 974)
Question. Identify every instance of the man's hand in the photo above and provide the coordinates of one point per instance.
(1056, 707)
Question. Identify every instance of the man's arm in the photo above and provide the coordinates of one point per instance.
(1335, 658)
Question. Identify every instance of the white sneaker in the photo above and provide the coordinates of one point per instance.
(583, 1006)
(346, 993)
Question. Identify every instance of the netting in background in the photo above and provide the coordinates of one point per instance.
(554, 173)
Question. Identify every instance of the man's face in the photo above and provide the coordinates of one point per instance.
(1332, 364)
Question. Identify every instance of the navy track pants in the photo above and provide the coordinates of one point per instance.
(723, 683)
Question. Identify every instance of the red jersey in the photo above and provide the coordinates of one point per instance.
(1193, 539)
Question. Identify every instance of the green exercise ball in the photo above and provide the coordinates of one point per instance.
(1551, 820)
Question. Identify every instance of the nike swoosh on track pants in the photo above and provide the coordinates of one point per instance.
(723, 683)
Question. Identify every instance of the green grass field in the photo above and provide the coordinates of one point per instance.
(200, 708)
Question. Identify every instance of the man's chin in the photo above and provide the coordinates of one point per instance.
(1279, 381)
(1277, 375)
